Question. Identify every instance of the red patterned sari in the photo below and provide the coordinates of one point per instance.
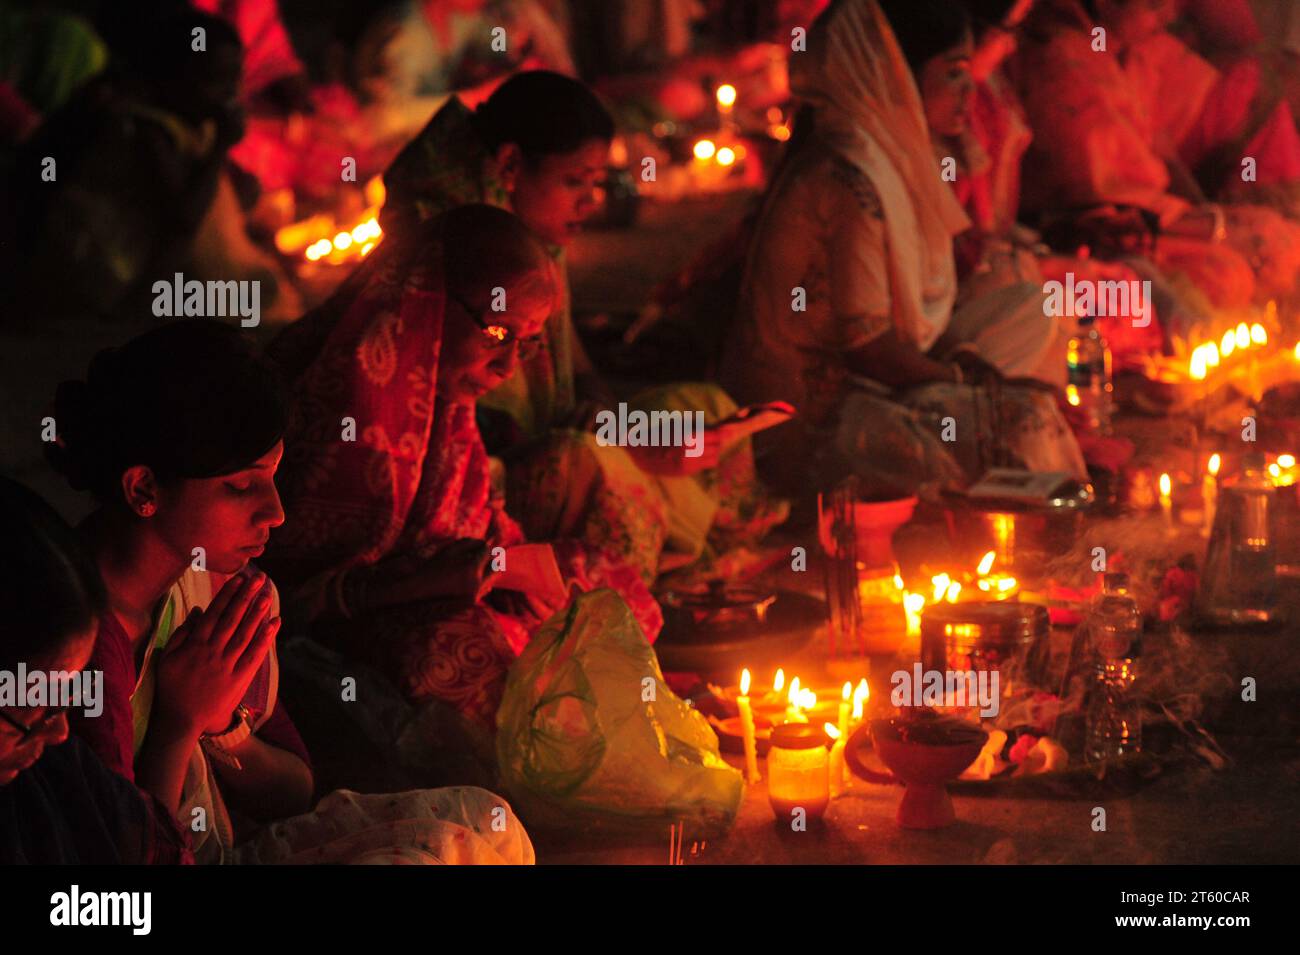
(414, 479)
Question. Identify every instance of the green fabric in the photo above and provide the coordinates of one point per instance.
(47, 56)
(446, 166)
(142, 700)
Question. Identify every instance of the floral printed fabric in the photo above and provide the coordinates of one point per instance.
(415, 478)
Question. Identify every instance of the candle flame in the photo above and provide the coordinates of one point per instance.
(940, 583)
(986, 563)
(1229, 342)
(793, 696)
(1072, 391)
(913, 603)
(1258, 335)
(1166, 486)
(1212, 355)
(1213, 466)
(847, 691)
(807, 699)
(1198, 368)
(778, 681)
(1286, 460)
(726, 156)
(861, 694)
(1274, 470)
(1007, 583)
(954, 589)
(832, 730)
(744, 682)
(705, 148)
(726, 94)
(898, 582)
(1243, 336)
(1297, 351)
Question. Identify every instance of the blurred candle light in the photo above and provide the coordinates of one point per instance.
(1258, 335)
(1229, 344)
(726, 97)
(747, 729)
(913, 604)
(837, 768)
(1167, 500)
(1210, 493)
(861, 694)
(1243, 336)
(726, 156)
(704, 150)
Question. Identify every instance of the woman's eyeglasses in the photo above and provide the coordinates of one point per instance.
(27, 730)
(499, 335)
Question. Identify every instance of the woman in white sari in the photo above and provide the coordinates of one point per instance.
(847, 309)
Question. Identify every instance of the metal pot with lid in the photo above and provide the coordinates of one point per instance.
(987, 635)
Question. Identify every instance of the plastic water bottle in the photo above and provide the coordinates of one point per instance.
(1088, 366)
(1114, 712)
(1239, 583)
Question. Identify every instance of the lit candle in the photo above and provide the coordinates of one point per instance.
(798, 775)
(1167, 500)
(726, 96)
(913, 604)
(860, 696)
(1210, 493)
(837, 767)
(747, 728)
(795, 700)
(844, 709)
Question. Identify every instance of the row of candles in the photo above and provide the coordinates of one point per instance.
(321, 239)
(1282, 471)
(798, 702)
(1240, 340)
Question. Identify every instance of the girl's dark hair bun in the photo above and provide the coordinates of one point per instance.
(68, 453)
(190, 399)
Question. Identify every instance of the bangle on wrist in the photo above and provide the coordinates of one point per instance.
(219, 746)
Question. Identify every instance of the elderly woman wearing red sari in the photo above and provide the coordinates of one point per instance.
(1145, 122)
(395, 542)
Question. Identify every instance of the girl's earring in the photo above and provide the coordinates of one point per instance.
(146, 510)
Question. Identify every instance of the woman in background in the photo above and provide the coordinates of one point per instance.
(1146, 123)
(861, 222)
(538, 147)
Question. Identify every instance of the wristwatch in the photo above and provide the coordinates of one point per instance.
(221, 745)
